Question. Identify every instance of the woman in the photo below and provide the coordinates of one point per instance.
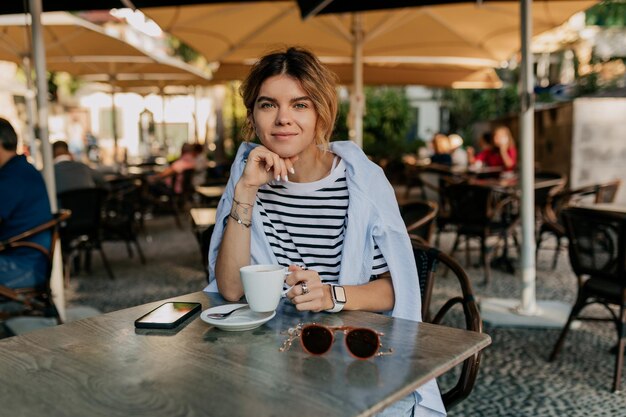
(499, 150)
(324, 210)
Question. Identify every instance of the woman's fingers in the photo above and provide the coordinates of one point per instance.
(306, 291)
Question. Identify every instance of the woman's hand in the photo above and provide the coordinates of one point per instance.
(264, 165)
(316, 299)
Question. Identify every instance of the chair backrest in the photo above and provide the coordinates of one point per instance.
(429, 262)
(35, 300)
(597, 242)
(122, 207)
(85, 205)
(552, 183)
(608, 191)
(470, 204)
(419, 218)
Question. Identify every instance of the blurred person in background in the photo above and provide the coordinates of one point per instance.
(442, 150)
(73, 175)
(24, 205)
(459, 155)
(172, 176)
(498, 150)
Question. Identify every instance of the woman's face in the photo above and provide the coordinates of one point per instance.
(284, 116)
(501, 138)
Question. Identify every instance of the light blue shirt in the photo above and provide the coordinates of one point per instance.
(373, 217)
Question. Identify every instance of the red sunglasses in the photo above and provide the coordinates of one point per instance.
(362, 343)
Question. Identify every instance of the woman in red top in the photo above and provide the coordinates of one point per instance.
(499, 150)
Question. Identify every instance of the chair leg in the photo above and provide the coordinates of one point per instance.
(105, 261)
(129, 248)
(467, 252)
(619, 360)
(557, 252)
(485, 258)
(580, 303)
(539, 240)
(140, 252)
(456, 244)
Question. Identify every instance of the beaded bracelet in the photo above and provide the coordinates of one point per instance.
(235, 215)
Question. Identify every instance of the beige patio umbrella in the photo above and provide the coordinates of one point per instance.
(432, 75)
(481, 35)
(81, 48)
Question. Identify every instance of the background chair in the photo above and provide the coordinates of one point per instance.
(551, 221)
(32, 301)
(597, 249)
(82, 232)
(429, 262)
(480, 212)
(122, 215)
(419, 218)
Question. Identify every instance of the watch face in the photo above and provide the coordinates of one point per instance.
(340, 294)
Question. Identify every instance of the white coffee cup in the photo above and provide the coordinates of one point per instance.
(263, 286)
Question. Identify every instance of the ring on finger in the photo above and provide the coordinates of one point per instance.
(305, 288)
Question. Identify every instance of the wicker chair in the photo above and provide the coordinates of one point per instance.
(480, 212)
(551, 222)
(419, 218)
(430, 263)
(82, 232)
(597, 249)
(35, 301)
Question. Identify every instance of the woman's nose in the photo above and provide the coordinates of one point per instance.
(283, 118)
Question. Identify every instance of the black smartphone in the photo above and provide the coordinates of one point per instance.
(168, 315)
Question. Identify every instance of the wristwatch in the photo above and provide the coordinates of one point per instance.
(338, 294)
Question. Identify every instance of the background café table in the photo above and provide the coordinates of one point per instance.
(103, 366)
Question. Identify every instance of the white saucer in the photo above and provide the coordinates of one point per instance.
(244, 319)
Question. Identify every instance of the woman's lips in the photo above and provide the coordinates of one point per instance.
(283, 135)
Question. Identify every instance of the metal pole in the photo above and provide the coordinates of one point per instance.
(42, 100)
(56, 279)
(358, 100)
(165, 144)
(31, 112)
(114, 121)
(527, 172)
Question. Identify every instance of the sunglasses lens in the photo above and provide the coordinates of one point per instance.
(316, 339)
(363, 343)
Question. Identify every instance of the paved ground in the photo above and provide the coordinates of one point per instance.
(515, 378)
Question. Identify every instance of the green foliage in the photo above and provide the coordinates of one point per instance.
(467, 107)
(607, 13)
(385, 124)
(234, 113)
(182, 50)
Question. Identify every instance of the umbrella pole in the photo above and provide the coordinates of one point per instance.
(31, 110)
(114, 121)
(527, 142)
(42, 100)
(162, 92)
(528, 313)
(56, 280)
(196, 130)
(358, 100)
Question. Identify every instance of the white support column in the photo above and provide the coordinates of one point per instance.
(358, 100)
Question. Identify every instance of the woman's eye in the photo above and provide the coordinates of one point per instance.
(300, 106)
(266, 105)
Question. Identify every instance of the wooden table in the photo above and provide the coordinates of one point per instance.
(213, 191)
(103, 366)
(202, 218)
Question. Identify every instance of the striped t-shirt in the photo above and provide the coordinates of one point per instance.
(305, 223)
